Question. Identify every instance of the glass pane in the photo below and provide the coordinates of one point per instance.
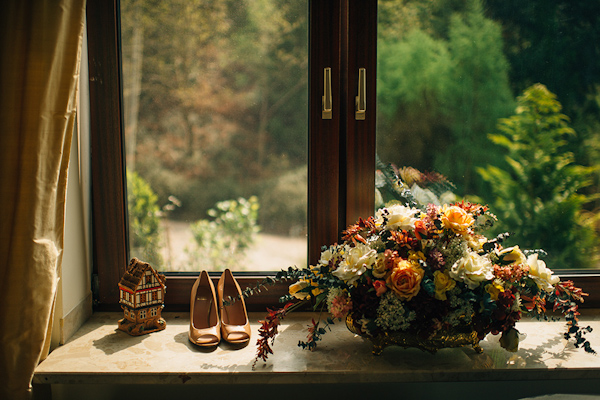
(216, 116)
(496, 102)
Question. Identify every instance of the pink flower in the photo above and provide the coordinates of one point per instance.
(380, 287)
(340, 307)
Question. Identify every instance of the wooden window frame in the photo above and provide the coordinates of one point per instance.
(335, 194)
(346, 33)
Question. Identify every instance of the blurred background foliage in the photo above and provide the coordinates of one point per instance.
(538, 196)
(217, 84)
(222, 241)
(144, 219)
(215, 97)
(452, 72)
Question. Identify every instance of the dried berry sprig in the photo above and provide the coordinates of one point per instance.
(269, 329)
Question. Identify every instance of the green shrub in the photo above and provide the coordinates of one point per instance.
(144, 220)
(222, 242)
(284, 203)
(538, 195)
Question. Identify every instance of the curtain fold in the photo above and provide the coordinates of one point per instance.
(39, 65)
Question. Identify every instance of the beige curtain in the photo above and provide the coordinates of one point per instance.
(39, 66)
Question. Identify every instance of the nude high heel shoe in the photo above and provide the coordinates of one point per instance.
(205, 325)
(235, 327)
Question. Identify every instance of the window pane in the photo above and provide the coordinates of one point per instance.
(452, 73)
(215, 103)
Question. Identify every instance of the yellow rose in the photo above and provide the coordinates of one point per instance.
(295, 289)
(415, 256)
(380, 267)
(443, 283)
(316, 289)
(494, 289)
(476, 242)
(456, 219)
(405, 279)
(512, 255)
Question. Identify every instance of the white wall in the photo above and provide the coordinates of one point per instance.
(74, 297)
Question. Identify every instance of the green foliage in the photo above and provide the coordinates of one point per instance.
(477, 95)
(441, 86)
(412, 75)
(284, 203)
(554, 42)
(538, 194)
(223, 241)
(144, 220)
(212, 91)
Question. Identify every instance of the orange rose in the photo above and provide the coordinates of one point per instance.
(405, 279)
(456, 219)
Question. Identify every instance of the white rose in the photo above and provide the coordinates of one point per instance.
(326, 256)
(355, 262)
(472, 269)
(541, 274)
(398, 217)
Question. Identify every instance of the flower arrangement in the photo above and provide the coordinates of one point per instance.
(423, 272)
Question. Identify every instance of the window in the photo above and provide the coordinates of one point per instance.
(341, 165)
(216, 133)
(335, 193)
(449, 74)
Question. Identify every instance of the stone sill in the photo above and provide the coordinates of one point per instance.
(98, 354)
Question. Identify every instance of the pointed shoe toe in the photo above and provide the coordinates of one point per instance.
(235, 327)
(205, 325)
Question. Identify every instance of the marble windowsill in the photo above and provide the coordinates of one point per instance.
(100, 354)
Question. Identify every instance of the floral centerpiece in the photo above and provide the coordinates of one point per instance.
(422, 273)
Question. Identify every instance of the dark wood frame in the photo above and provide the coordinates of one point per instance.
(346, 33)
(335, 191)
(109, 195)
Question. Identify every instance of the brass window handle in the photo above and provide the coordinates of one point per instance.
(327, 97)
(361, 99)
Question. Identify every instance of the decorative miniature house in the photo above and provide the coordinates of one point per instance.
(141, 295)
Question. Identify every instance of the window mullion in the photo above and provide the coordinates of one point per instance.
(324, 134)
(359, 140)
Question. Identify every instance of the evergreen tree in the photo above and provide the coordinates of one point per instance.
(537, 196)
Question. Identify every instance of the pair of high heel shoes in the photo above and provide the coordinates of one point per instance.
(210, 319)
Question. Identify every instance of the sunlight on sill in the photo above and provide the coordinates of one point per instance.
(99, 354)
